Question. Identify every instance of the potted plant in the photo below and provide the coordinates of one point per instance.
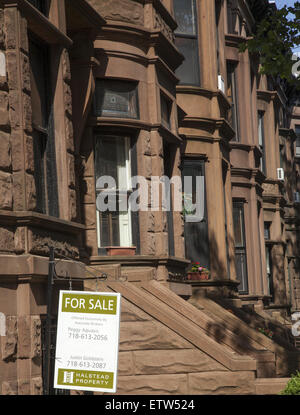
(198, 273)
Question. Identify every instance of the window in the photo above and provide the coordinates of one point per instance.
(240, 246)
(166, 107)
(261, 140)
(281, 156)
(233, 117)
(230, 19)
(116, 99)
(267, 230)
(269, 271)
(186, 41)
(297, 131)
(43, 134)
(112, 158)
(218, 8)
(196, 231)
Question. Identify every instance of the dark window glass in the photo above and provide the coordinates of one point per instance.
(169, 160)
(186, 41)
(186, 17)
(43, 132)
(269, 271)
(267, 228)
(240, 246)
(196, 232)
(218, 7)
(297, 131)
(230, 19)
(116, 99)
(41, 5)
(281, 156)
(112, 158)
(188, 72)
(261, 140)
(166, 106)
(233, 117)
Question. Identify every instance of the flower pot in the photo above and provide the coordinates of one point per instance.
(197, 276)
(120, 250)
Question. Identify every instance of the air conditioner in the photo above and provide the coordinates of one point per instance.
(221, 84)
(297, 197)
(280, 174)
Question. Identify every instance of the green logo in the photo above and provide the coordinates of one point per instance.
(89, 303)
(86, 378)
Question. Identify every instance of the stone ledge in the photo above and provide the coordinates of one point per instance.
(30, 265)
(35, 219)
(270, 386)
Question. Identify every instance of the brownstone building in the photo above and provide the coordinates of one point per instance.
(148, 88)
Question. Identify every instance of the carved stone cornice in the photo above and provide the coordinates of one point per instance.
(39, 23)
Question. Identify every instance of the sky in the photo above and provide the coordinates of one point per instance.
(281, 3)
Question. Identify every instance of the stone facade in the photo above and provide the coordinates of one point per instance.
(177, 336)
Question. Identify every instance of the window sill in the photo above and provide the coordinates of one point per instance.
(139, 260)
(39, 220)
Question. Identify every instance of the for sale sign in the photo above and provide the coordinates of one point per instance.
(87, 343)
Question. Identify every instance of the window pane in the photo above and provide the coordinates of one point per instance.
(196, 233)
(297, 131)
(112, 159)
(188, 72)
(267, 226)
(261, 129)
(185, 16)
(232, 96)
(165, 111)
(238, 225)
(39, 147)
(116, 99)
(38, 55)
(240, 246)
(241, 271)
(261, 140)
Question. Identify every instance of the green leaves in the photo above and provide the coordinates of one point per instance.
(273, 40)
(293, 386)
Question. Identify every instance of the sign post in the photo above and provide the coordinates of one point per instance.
(87, 343)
